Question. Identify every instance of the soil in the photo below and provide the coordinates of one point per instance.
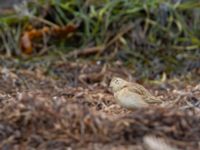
(68, 105)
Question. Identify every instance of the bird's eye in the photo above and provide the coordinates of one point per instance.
(116, 82)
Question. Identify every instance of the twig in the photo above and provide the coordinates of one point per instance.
(86, 51)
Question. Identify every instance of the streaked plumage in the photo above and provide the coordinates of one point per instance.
(131, 95)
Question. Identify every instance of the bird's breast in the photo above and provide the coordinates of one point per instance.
(129, 99)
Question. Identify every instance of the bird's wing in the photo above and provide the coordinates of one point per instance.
(136, 88)
(147, 96)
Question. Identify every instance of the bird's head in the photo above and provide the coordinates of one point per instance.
(117, 84)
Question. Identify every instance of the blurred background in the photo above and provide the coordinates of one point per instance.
(151, 38)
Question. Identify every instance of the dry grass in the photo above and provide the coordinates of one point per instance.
(39, 112)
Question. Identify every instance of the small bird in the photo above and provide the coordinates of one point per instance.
(131, 95)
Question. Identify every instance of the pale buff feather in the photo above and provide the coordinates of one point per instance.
(131, 95)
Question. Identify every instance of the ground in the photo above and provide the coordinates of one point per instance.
(67, 105)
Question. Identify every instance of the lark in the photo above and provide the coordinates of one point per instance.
(131, 95)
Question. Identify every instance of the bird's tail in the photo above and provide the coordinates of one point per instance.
(154, 99)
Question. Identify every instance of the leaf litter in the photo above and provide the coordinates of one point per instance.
(73, 109)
